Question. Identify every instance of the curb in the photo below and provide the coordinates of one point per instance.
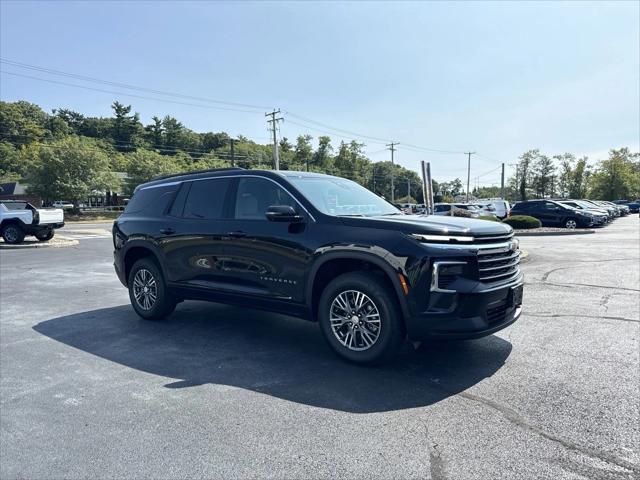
(80, 222)
(551, 234)
(59, 242)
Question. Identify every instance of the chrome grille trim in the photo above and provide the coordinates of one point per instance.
(503, 264)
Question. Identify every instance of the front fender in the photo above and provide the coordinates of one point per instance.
(374, 255)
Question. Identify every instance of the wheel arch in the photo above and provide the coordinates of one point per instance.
(329, 266)
(135, 252)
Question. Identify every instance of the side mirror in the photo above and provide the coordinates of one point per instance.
(283, 213)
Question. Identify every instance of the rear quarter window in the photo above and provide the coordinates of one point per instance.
(151, 200)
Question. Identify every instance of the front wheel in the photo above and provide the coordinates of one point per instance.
(359, 318)
(45, 236)
(148, 292)
(570, 223)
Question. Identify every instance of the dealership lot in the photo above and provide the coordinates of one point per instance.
(90, 390)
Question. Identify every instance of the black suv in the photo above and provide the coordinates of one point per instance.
(554, 214)
(318, 247)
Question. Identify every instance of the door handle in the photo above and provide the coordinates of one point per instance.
(167, 231)
(237, 234)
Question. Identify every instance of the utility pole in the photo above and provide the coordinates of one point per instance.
(502, 183)
(274, 123)
(392, 147)
(373, 174)
(408, 187)
(468, 171)
(233, 154)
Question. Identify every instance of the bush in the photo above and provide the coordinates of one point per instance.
(522, 222)
(491, 218)
(461, 212)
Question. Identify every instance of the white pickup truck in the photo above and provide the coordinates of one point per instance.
(19, 218)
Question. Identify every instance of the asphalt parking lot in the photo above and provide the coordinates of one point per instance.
(90, 390)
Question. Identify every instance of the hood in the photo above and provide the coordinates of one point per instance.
(431, 224)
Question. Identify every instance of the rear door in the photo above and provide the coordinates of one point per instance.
(549, 213)
(194, 232)
(264, 258)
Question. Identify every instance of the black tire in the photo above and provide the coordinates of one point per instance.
(13, 234)
(45, 235)
(391, 331)
(144, 272)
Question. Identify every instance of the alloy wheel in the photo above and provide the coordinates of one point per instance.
(355, 320)
(571, 224)
(145, 289)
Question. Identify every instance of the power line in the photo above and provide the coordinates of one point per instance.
(125, 85)
(125, 94)
(254, 108)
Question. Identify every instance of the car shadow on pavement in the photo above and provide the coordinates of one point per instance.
(276, 355)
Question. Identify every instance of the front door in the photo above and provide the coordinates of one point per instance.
(262, 257)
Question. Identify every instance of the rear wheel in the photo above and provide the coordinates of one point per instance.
(360, 319)
(13, 234)
(45, 235)
(148, 292)
(571, 223)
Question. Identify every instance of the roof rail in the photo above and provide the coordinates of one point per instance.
(207, 170)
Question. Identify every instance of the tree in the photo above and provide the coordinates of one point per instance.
(322, 159)
(70, 169)
(155, 132)
(303, 152)
(173, 133)
(618, 177)
(143, 165)
(523, 171)
(22, 123)
(125, 127)
(543, 176)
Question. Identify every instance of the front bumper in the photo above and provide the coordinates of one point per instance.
(469, 315)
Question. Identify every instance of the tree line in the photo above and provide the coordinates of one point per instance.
(65, 155)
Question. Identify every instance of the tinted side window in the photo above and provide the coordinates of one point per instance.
(256, 195)
(549, 207)
(441, 208)
(178, 203)
(152, 200)
(206, 199)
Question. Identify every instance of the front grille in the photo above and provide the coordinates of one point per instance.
(498, 266)
(496, 314)
(484, 239)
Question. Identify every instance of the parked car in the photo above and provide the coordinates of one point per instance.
(444, 209)
(600, 217)
(475, 211)
(553, 214)
(623, 210)
(634, 207)
(288, 242)
(613, 213)
(501, 206)
(19, 218)
(63, 205)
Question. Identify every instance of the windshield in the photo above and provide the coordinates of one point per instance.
(341, 197)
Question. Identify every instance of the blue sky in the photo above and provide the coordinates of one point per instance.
(497, 78)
